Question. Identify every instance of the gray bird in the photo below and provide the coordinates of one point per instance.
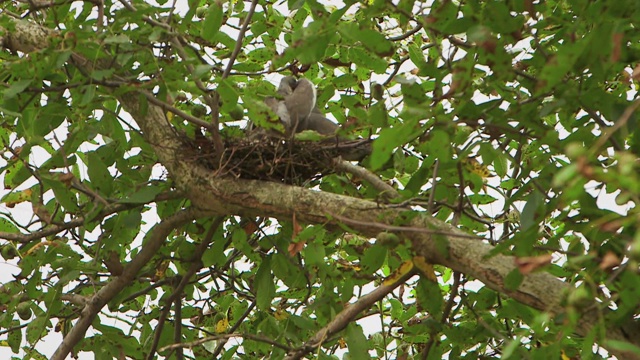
(299, 95)
(298, 112)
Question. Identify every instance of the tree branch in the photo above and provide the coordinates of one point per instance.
(177, 292)
(105, 294)
(346, 316)
(78, 221)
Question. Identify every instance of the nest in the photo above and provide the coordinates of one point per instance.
(273, 158)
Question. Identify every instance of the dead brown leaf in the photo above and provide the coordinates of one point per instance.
(609, 261)
(295, 247)
(528, 264)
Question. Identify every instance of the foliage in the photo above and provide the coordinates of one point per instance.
(513, 121)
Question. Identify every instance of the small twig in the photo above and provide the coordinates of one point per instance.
(432, 194)
(14, 328)
(226, 337)
(407, 34)
(146, 19)
(238, 47)
(622, 121)
(78, 221)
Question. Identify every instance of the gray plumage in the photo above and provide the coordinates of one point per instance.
(298, 112)
(298, 94)
(317, 122)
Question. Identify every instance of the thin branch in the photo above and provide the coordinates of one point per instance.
(14, 328)
(407, 34)
(226, 337)
(95, 304)
(196, 265)
(431, 202)
(177, 326)
(79, 221)
(346, 316)
(166, 107)
(238, 47)
(622, 121)
(147, 19)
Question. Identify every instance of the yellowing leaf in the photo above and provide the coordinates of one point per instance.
(425, 268)
(161, 269)
(401, 271)
(281, 315)
(222, 325)
(16, 197)
(38, 246)
(475, 167)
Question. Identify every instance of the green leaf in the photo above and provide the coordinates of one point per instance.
(64, 196)
(212, 22)
(37, 329)
(201, 69)
(414, 94)
(532, 210)
(397, 308)
(264, 285)
(500, 164)
(6, 225)
(229, 94)
(373, 258)
(16, 88)
(314, 253)
(295, 4)
(481, 199)
(117, 39)
(14, 338)
(214, 255)
(101, 178)
(365, 59)
(372, 40)
(356, 342)
(559, 65)
(389, 140)
(261, 55)
(143, 196)
(89, 94)
(429, 296)
(513, 280)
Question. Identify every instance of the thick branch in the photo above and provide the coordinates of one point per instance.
(541, 291)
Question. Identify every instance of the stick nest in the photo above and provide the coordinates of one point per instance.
(273, 158)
